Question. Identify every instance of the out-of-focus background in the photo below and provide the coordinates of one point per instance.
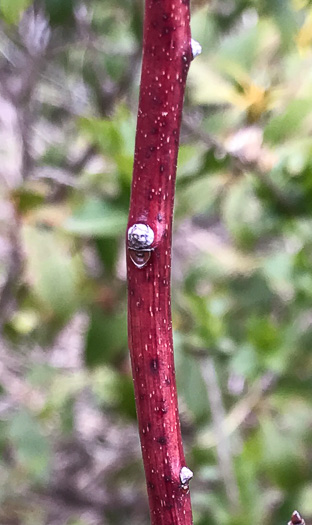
(241, 275)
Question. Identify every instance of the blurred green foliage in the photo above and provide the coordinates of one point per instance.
(241, 284)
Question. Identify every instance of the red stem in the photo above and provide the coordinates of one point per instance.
(166, 59)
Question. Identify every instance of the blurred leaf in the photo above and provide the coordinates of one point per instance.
(304, 36)
(107, 249)
(104, 133)
(59, 11)
(208, 87)
(283, 455)
(106, 337)
(287, 123)
(104, 381)
(41, 375)
(240, 51)
(247, 467)
(25, 321)
(12, 10)
(251, 294)
(199, 196)
(243, 222)
(245, 361)
(64, 388)
(191, 385)
(54, 273)
(67, 416)
(32, 448)
(28, 198)
(305, 501)
(97, 218)
(284, 17)
(265, 337)
(127, 404)
(114, 390)
(278, 270)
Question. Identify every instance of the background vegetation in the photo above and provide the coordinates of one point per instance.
(241, 283)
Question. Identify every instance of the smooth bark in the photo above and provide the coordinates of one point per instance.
(166, 58)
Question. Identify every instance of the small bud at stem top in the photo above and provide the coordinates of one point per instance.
(296, 519)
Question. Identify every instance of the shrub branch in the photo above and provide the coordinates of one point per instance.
(167, 54)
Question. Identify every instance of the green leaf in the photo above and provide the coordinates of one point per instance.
(114, 390)
(305, 502)
(41, 375)
(54, 273)
(104, 133)
(243, 222)
(11, 10)
(251, 293)
(199, 195)
(284, 17)
(207, 86)
(265, 337)
(97, 218)
(287, 123)
(240, 50)
(278, 269)
(59, 11)
(106, 337)
(190, 383)
(32, 448)
(107, 250)
(245, 362)
(284, 456)
(28, 198)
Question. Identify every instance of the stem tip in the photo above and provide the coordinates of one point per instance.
(296, 519)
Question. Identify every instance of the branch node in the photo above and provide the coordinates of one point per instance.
(140, 237)
(140, 240)
(196, 48)
(185, 476)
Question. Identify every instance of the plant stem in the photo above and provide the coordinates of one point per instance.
(166, 58)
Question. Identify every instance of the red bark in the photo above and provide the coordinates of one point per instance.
(166, 59)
